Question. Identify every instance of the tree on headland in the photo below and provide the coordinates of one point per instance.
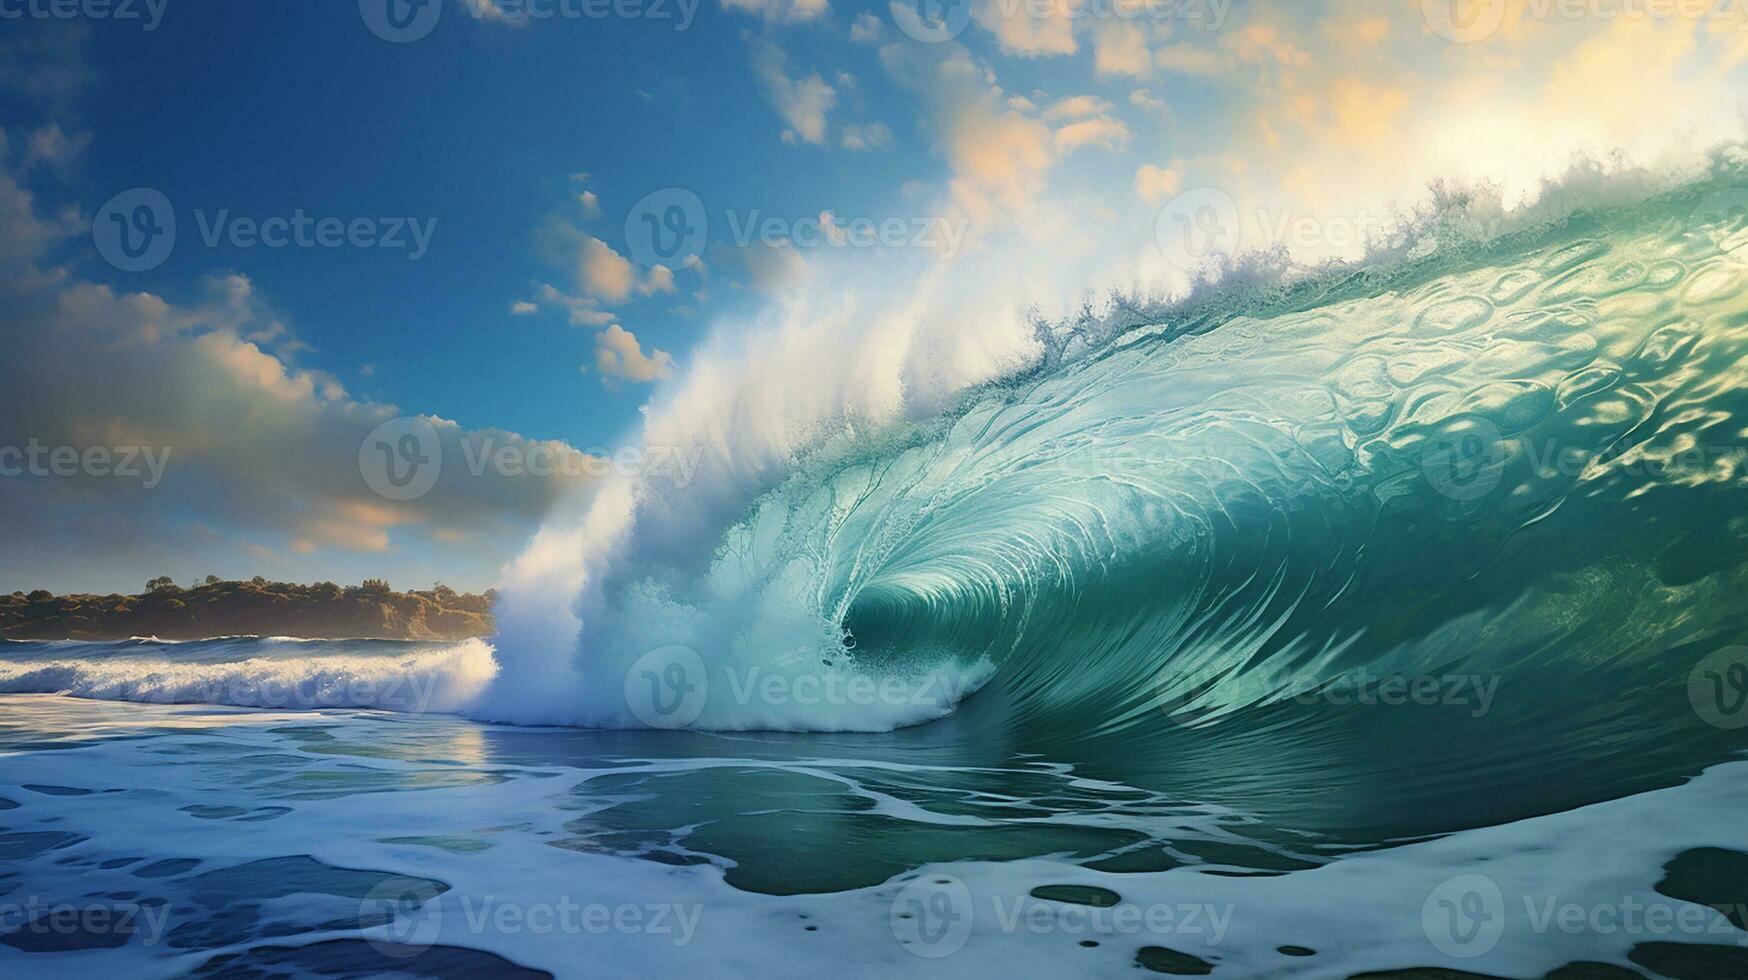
(371, 609)
(213, 580)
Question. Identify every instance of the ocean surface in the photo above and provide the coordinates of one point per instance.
(1382, 617)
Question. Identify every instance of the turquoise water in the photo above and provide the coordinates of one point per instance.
(1378, 619)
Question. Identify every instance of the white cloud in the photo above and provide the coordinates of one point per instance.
(1189, 59)
(28, 236)
(659, 280)
(998, 155)
(801, 102)
(1143, 99)
(1019, 32)
(619, 357)
(1120, 48)
(782, 11)
(260, 457)
(872, 136)
(604, 273)
(523, 308)
(1262, 42)
(50, 146)
(584, 311)
(867, 29)
(1155, 184)
(1077, 106)
(1102, 131)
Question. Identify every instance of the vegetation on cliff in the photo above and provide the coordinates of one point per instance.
(219, 608)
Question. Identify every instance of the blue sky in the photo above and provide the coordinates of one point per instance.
(1037, 151)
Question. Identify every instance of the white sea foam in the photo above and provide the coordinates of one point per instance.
(441, 678)
(1376, 910)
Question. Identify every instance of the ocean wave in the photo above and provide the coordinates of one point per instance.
(413, 678)
(1194, 511)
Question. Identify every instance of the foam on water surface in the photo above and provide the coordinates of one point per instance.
(242, 832)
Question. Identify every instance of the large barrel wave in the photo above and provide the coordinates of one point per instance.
(1498, 478)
